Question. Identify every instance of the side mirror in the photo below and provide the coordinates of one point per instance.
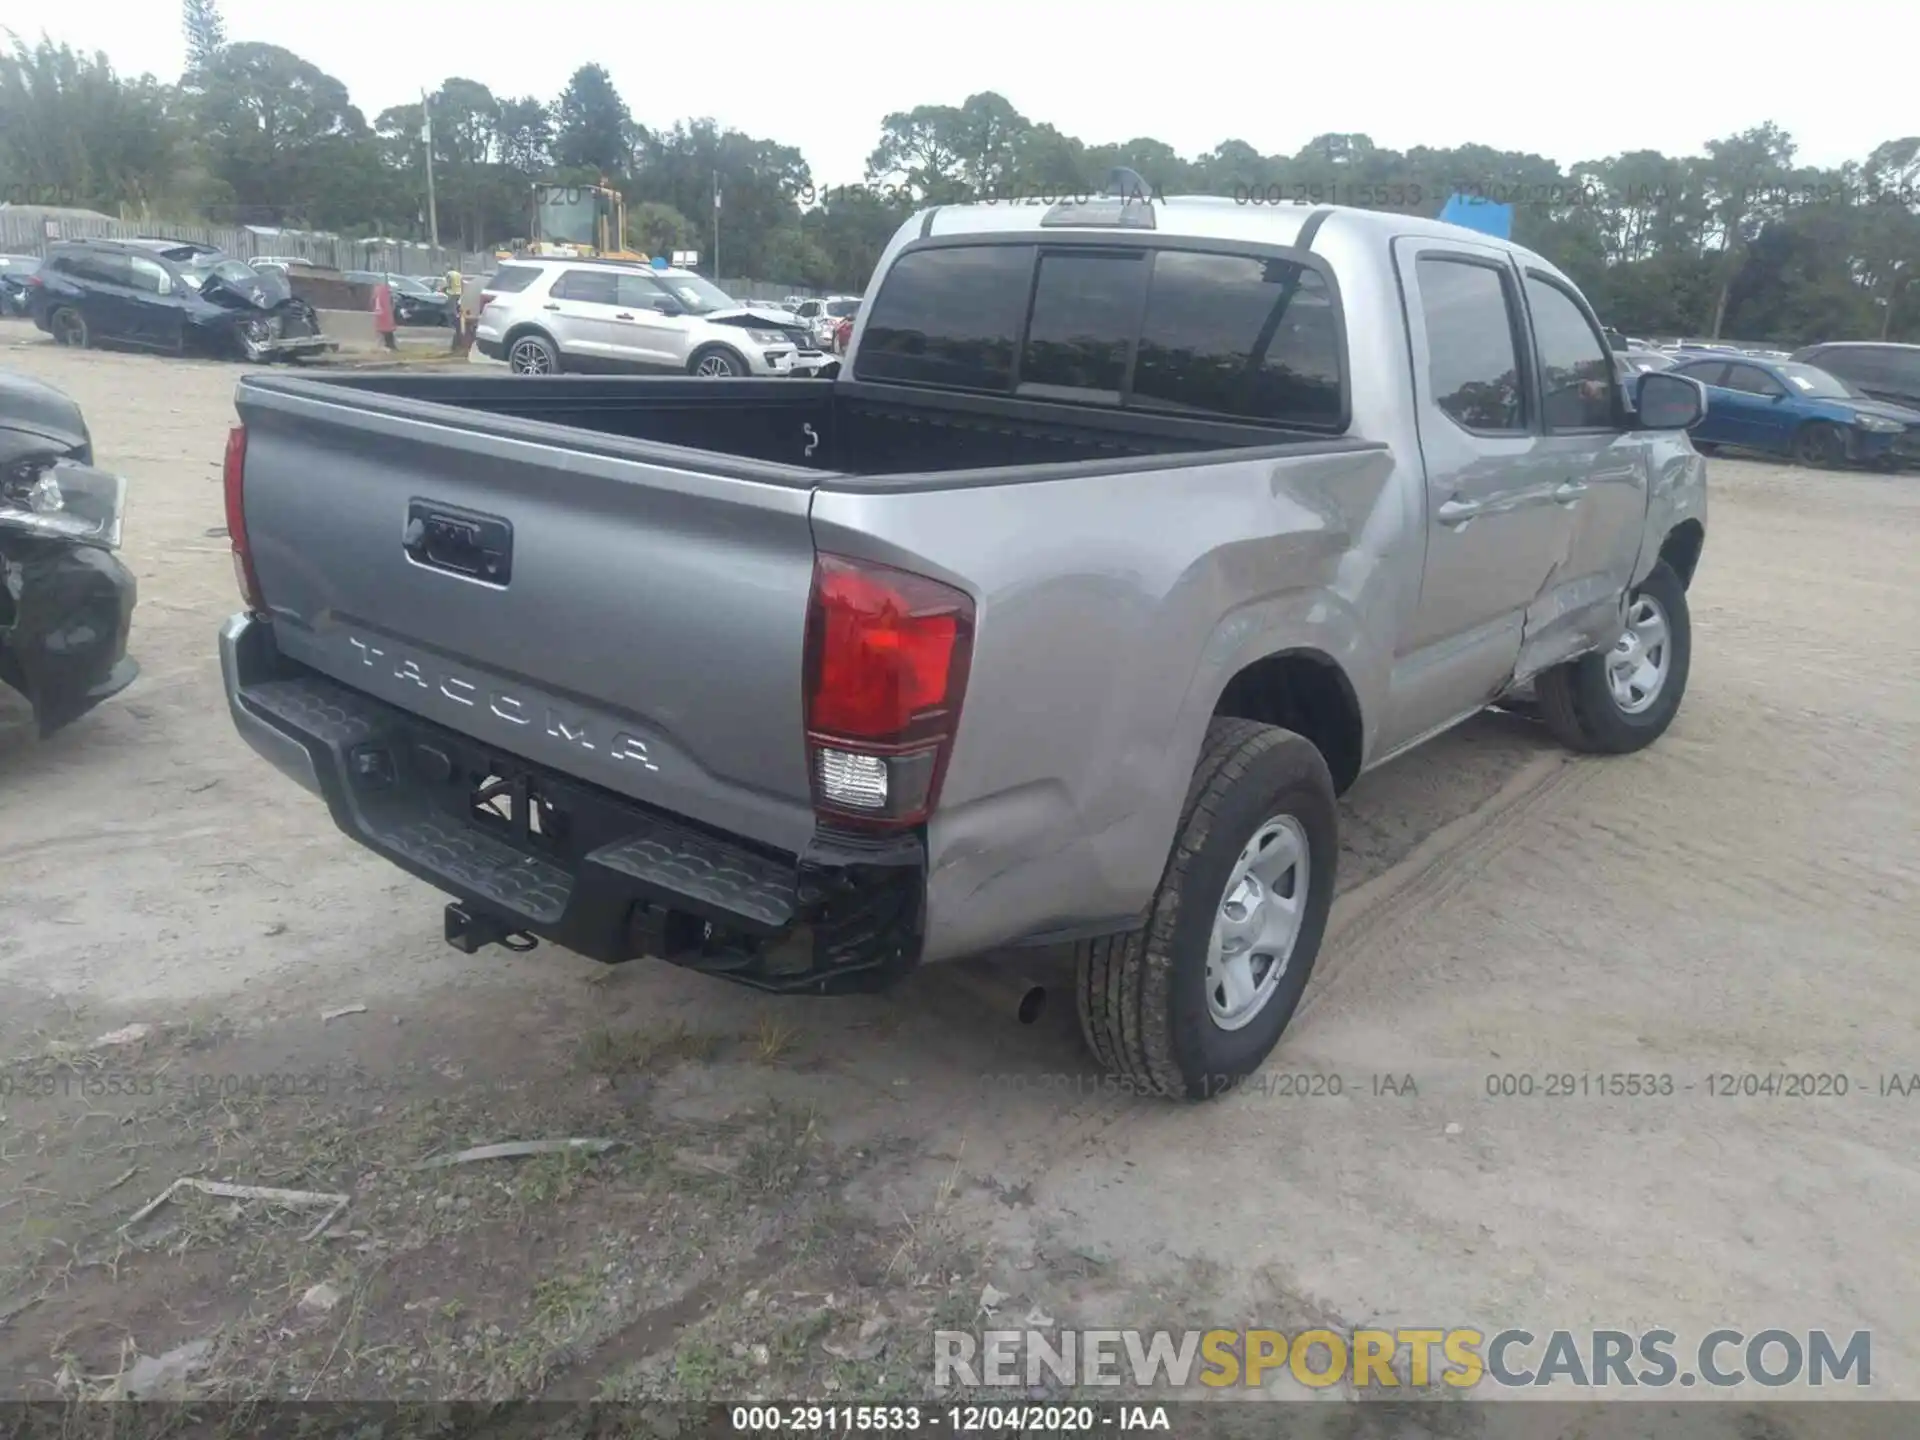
(1669, 402)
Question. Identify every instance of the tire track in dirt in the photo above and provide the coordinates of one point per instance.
(1385, 909)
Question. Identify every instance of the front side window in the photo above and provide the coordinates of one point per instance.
(1750, 381)
(150, 276)
(1576, 376)
(950, 316)
(1473, 358)
(639, 292)
(592, 287)
(1240, 336)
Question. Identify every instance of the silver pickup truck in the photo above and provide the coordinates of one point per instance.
(1130, 534)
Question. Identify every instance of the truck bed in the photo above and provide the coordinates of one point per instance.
(799, 432)
(600, 588)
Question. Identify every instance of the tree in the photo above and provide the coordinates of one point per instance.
(1742, 175)
(72, 132)
(269, 116)
(206, 32)
(592, 129)
(526, 135)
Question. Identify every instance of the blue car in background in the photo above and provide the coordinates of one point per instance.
(1798, 411)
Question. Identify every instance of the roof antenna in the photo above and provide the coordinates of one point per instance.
(1127, 186)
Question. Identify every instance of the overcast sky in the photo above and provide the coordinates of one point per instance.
(1570, 81)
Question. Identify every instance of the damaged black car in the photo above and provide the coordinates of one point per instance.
(173, 297)
(66, 602)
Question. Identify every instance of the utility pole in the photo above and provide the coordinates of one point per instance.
(426, 138)
(716, 227)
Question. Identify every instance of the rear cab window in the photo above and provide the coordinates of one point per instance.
(1179, 328)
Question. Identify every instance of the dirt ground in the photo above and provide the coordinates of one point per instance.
(794, 1193)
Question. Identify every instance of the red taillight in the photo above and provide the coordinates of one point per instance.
(233, 474)
(887, 660)
(34, 282)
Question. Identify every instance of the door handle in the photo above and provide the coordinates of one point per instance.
(549, 306)
(623, 315)
(1569, 491)
(1457, 511)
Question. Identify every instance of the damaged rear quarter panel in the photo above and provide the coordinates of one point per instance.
(1111, 611)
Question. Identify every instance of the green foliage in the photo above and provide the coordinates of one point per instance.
(1740, 239)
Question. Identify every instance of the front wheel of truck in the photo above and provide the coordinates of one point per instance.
(1622, 699)
(1192, 1003)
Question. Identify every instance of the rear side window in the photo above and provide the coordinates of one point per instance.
(1576, 374)
(1085, 308)
(1707, 372)
(1237, 335)
(511, 279)
(950, 316)
(1888, 369)
(1473, 357)
(98, 265)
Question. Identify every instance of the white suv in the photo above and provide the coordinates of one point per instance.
(822, 315)
(547, 316)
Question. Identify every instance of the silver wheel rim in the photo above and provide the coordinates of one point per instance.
(714, 365)
(1638, 664)
(72, 330)
(1258, 922)
(530, 358)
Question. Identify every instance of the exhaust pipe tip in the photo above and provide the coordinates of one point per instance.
(1031, 1004)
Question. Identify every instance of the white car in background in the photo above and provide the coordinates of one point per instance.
(546, 317)
(823, 314)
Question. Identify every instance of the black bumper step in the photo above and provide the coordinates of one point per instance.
(396, 811)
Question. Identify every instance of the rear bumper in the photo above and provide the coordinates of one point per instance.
(609, 878)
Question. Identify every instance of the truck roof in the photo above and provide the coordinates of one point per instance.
(1216, 217)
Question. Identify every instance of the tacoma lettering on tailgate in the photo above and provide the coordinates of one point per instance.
(501, 705)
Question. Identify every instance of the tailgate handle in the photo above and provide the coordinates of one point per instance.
(459, 542)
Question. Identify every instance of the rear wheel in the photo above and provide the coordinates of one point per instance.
(715, 361)
(1619, 700)
(1820, 444)
(1706, 447)
(69, 327)
(533, 355)
(1194, 1002)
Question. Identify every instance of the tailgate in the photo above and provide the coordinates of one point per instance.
(551, 592)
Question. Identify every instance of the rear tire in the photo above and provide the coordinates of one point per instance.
(1622, 699)
(1160, 1007)
(1820, 445)
(69, 327)
(1706, 447)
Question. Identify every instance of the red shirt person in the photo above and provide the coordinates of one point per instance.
(383, 313)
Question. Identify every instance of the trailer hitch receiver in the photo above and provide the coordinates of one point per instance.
(468, 932)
